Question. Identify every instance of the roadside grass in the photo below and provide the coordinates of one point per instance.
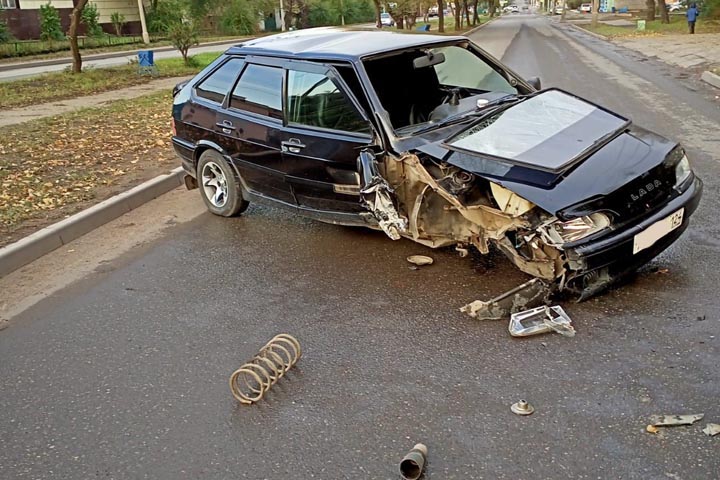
(56, 166)
(677, 25)
(62, 85)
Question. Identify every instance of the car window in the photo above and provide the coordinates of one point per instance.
(462, 68)
(217, 85)
(259, 90)
(314, 100)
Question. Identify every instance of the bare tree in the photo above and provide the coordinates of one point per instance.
(72, 35)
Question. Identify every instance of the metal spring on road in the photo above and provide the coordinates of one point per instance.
(249, 383)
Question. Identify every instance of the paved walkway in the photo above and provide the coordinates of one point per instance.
(686, 51)
(35, 112)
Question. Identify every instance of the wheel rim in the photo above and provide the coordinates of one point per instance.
(214, 184)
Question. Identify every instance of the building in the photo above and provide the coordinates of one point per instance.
(23, 16)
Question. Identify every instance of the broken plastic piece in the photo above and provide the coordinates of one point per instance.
(522, 408)
(420, 260)
(711, 429)
(529, 294)
(541, 320)
(651, 429)
(412, 464)
(673, 420)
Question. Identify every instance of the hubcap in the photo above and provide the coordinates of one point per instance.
(214, 184)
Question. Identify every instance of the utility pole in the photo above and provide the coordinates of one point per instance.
(143, 25)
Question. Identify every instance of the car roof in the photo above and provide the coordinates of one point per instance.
(336, 43)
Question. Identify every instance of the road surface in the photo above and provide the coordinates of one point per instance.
(121, 371)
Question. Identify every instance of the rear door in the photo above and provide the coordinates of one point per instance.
(251, 127)
(324, 133)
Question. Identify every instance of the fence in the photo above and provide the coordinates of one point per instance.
(34, 47)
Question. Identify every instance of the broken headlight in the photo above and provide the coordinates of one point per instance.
(682, 171)
(558, 232)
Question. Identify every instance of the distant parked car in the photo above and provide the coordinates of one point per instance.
(386, 20)
(558, 10)
(586, 7)
(512, 9)
(675, 7)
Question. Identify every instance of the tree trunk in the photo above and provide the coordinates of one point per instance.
(378, 23)
(664, 15)
(456, 14)
(562, 16)
(441, 16)
(594, 13)
(491, 8)
(467, 12)
(476, 19)
(72, 36)
(650, 14)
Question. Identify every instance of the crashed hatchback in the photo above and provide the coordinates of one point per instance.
(430, 138)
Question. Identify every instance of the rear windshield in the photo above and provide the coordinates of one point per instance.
(547, 131)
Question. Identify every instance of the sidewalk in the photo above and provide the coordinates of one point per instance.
(35, 112)
(685, 51)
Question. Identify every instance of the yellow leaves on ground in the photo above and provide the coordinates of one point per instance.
(60, 161)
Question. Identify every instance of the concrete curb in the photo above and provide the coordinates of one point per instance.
(710, 78)
(584, 30)
(473, 30)
(34, 246)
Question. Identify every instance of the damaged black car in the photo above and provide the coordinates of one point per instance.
(432, 139)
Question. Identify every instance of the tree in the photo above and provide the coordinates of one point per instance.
(441, 16)
(376, 4)
(594, 14)
(50, 28)
(664, 15)
(118, 21)
(72, 35)
(650, 14)
(5, 34)
(475, 19)
(91, 18)
(183, 35)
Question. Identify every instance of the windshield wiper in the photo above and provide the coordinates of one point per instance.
(478, 110)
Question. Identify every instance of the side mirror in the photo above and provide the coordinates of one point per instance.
(535, 83)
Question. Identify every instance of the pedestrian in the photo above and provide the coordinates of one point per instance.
(692, 14)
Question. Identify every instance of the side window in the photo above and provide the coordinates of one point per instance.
(259, 90)
(314, 100)
(219, 83)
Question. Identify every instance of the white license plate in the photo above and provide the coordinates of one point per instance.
(657, 230)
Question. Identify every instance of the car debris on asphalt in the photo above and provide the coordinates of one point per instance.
(412, 465)
(522, 407)
(541, 320)
(675, 420)
(528, 295)
(253, 379)
(420, 260)
(711, 429)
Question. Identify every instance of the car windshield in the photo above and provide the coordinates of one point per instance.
(427, 85)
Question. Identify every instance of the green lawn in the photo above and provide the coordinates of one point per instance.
(62, 85)
(677, 25)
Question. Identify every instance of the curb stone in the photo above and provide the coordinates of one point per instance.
(475, 29)
(584, 30)
(44, 241)
(710, 78)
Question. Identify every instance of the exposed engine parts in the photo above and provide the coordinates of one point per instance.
(252, 380)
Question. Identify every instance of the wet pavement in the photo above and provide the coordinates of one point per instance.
(124, 374)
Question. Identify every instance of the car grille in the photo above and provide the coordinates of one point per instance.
(644, 195)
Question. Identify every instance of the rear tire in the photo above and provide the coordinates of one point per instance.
(219, 185)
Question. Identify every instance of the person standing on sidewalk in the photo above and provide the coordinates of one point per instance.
(692, 14)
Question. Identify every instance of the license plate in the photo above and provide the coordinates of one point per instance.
(657, 230)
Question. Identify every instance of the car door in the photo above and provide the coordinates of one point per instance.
(325, 129)
(251, 128)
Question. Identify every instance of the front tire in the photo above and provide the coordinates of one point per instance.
(219, 185)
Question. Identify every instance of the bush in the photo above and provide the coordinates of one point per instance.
(50, 28)
(5, 35)
(239, 18)
(118, 21)
(183, 35)
(91, 18)
(166, 14)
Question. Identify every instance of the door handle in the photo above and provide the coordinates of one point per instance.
(226, 126)
(292, 145)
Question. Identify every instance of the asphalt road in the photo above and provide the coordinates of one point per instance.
(123, 374)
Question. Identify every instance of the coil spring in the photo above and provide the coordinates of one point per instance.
(249, 383)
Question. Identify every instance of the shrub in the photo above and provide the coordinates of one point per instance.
(166, 13)
(5, 35)
(91, 18)
(239, 18)
(50, 28)
(183, 35)
(118, 21)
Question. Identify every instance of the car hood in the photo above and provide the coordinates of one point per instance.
(615, 161)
